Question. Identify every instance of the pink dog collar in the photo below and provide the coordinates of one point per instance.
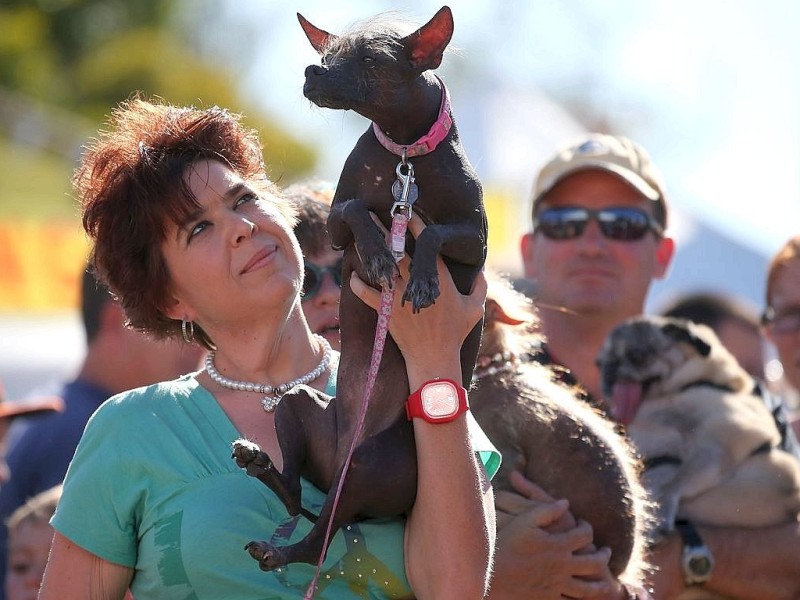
(427, 143)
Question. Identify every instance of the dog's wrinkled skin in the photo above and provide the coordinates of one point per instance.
(385, 77)
(558, 441)
(708, 441)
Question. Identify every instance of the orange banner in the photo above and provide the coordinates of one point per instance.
(40, 265)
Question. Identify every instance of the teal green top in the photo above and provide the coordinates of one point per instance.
(153, 486)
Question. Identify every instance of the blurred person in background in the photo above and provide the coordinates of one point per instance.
(117, 358)
(781, 318)
(322, 281)
(29, 537)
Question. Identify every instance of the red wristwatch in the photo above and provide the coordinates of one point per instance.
(437, 401)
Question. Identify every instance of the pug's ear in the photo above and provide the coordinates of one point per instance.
(681, 333)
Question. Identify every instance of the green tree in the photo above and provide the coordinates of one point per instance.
(65, 63)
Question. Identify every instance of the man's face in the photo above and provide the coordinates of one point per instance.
(592, 274)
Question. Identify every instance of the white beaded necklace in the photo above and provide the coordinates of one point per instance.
(272, 394)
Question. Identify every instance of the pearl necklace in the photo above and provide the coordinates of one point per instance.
(272, 394)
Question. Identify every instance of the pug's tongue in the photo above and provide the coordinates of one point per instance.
(625, 399)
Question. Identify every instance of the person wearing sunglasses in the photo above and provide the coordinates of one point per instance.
(781, 319)
(322, 280)
(599, 216)
(599, 239)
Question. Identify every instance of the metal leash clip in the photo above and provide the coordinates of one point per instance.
(404, 189)
(405, 193)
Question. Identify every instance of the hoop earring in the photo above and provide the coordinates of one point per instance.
(187, 331)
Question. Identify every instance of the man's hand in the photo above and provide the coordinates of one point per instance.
(543, 552)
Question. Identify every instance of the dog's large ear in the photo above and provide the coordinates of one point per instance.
(681, 333)
(319, 38)
(495, 312)
(425, 47)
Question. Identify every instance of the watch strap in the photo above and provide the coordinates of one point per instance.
(689, 534)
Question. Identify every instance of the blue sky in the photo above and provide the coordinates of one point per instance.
(710, 87)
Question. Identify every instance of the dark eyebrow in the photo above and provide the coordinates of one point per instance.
(236, 190)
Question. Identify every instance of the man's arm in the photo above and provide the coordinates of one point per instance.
(750, 564)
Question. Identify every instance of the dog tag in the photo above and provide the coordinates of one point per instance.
(397, 191)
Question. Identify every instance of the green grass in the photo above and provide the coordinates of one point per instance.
(34, 184)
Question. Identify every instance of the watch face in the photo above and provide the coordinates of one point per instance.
(439, 400)
(700, 565)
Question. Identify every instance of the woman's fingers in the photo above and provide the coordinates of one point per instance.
(416, 225)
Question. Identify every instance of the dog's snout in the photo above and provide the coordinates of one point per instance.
(314, 71)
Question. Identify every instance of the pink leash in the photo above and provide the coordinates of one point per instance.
(401, 214)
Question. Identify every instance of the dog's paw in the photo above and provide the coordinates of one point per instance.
(422, 292)
(268, 556)
(380, 268)
(249, 456)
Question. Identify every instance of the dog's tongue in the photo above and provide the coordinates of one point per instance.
(625, 399)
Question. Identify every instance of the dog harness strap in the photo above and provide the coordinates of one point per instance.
(427, 143)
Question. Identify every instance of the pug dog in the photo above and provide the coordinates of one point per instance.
(709, 444)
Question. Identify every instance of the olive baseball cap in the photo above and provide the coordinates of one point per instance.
(615, 154)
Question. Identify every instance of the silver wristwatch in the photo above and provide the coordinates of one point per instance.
(697, 560)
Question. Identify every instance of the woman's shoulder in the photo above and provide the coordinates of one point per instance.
(147, 400)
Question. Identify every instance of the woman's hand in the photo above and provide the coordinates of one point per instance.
(430, 340)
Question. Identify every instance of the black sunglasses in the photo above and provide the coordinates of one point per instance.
(312, 280)
(618, 223)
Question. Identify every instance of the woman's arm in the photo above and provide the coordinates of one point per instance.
(74, 573)
(450, 531)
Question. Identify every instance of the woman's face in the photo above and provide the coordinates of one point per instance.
(784, 331)
(28, 548)
(236, 259)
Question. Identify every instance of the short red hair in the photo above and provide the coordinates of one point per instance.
(131, 183)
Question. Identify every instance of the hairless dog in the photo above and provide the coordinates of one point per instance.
(410, 153)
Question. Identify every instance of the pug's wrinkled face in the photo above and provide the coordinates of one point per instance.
(641, 356)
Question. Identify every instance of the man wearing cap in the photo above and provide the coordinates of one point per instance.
(598, 241)
(599, 215)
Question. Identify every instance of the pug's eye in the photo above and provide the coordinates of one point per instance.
(368, 60)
